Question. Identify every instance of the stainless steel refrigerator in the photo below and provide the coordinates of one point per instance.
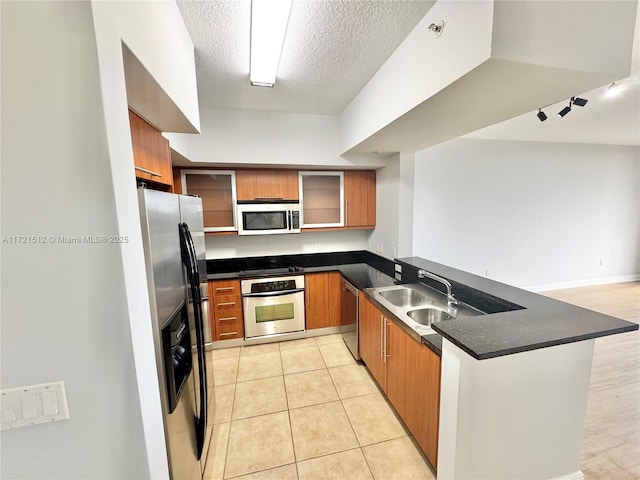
(173, 235)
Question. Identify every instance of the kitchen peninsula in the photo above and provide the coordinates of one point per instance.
(514, 382)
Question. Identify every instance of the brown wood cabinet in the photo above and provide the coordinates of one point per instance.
(151, 153)
(371, 340)
(360, 198)
(413, 388)
(217, 188)
(226, 309)
(267, 185)
(321, 199)
(322, 296)
(407, 371)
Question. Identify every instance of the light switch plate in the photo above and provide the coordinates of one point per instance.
(33, 404)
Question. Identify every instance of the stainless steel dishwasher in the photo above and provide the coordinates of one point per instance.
(349, 317)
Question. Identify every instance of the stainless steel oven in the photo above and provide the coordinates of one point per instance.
(273, 305)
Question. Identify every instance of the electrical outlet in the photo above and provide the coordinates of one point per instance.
(317, 245)
(380, 248)
(394, 251)
(601, 262)
(486, 272)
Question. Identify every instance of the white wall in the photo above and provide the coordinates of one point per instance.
(529, 213)
(261, 138)
(307, 242)
(420, 67)
(155, 33)
(384, 239)
(64, 306)
(80, 313)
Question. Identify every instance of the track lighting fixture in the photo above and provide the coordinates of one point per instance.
(581, 102)
(565, 110)
(613, 90)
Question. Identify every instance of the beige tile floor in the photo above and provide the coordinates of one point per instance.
(304, 409)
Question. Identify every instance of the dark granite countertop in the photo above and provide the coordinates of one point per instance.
(363, 269)
(537, 321)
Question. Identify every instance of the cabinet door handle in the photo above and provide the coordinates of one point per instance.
(346, 213)
(225, 304)
(384, 341)
(227, 319)
(381, 336)
(222, 289)
(386, 325)
(228, 333)
(144, 170)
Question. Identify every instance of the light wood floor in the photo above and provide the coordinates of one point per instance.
(611, 446)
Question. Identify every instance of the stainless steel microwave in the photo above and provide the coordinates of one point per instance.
(268, 218)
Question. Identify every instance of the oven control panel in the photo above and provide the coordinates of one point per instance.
(275, 286)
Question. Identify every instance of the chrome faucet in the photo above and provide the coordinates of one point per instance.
(450, 299)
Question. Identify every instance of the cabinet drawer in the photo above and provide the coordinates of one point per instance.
(227, 332)
(223, 303)
(225, 287)
(229, 317)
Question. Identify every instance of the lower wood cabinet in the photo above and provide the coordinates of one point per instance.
(322, 299)
(413, 387)
(225, 306)
(371, 340)
(407, 371)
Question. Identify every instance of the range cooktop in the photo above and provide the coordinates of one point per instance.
(270, 271)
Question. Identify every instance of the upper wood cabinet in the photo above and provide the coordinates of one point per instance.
(322, 199)
(151, 153)
(322, 294)
(217, 188)
(270, 185)
(360, 198)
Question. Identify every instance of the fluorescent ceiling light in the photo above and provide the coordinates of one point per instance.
(268, 25)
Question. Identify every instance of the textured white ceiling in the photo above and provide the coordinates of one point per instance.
(331, 50)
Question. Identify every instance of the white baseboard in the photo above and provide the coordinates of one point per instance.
(583, 283)
(572, 476)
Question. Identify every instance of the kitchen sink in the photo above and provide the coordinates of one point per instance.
(403, 297)
(419, 306)
(426, 316)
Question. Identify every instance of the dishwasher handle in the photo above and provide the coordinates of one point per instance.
(348, 286)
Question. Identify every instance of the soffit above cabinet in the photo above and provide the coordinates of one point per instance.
(491, 62)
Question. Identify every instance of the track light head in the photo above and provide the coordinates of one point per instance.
(581, 102)
(613, 90)
(565, 110)
(541, 115)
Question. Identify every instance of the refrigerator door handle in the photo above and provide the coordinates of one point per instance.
(190, 261)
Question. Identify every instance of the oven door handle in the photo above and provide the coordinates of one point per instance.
(273, 294)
